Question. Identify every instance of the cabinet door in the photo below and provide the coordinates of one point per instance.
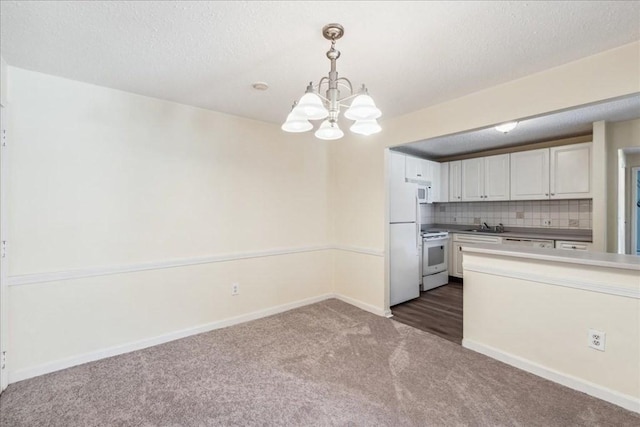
(456, 265)
(444, 183)
(433, 176)
(570, 176)
(455, 181)
(530, 174)
(496, 177)
(473, 179)
(414, 168)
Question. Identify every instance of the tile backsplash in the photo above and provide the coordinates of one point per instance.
(575, 214)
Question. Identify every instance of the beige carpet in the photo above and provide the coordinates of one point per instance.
(321, 365)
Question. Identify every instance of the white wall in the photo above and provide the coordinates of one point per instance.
(358, 165)
(102, 179)
(537, 314)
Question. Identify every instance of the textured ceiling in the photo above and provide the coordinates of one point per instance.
(572, 122)
(410, 54)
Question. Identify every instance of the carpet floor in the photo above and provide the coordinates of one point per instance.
(326, 364)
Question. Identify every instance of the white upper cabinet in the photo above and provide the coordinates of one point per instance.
(422, 170)
(444, 182)
(485, 178)
(455, 181)
(530, 175)
(413, 168)
(434, 177)
(417, 169)
(496, 177)
(562, 172)
(570, 167)
(473, 179)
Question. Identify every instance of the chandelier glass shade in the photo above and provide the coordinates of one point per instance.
(296, 123)
(313, 106)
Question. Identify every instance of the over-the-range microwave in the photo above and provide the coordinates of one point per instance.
(424, 193)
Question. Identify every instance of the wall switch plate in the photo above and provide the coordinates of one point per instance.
(597, 339)
(235, 289)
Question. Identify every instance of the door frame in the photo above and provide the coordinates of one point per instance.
(635, 199)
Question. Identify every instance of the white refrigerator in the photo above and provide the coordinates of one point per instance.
(404, 234)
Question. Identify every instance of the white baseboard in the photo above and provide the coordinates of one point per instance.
(45, 368)
(364, 306)
(628, 402)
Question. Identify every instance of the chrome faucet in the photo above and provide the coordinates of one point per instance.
(484, 226)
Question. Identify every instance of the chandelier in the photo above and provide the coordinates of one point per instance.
(313, 106)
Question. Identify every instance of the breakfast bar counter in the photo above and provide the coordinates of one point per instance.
(539, 309)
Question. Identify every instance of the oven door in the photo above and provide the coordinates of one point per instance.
(434, 256)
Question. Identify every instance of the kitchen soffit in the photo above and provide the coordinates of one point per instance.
(557, 125)
(410, 54)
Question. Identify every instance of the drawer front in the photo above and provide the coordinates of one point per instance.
(573, 246)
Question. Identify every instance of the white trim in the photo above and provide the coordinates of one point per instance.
(364, 306)
(359, 250)
(582, 284)
(27, 279)
(628, 402)
(92, 356)
(621, 209)
(57, 365)
(4, 260)
(635, 199)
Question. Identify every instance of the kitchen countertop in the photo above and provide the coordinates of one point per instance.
(524, 232)
(601, 259)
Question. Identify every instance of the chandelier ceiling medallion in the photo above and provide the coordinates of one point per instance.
(313, 106)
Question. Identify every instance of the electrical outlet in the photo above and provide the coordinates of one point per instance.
(597, 339)
(546, 222)
(235, 289)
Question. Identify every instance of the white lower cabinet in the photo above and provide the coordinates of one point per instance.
(460, 240)
(573, 246)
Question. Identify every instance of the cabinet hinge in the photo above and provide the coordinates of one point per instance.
(3, 360)
(4, 138)
(4, 249)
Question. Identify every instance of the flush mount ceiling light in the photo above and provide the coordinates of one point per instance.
(313, 106)
(506, 127)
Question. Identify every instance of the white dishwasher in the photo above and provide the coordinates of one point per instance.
(531, 243)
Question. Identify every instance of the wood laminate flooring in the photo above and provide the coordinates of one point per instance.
(437, 311)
